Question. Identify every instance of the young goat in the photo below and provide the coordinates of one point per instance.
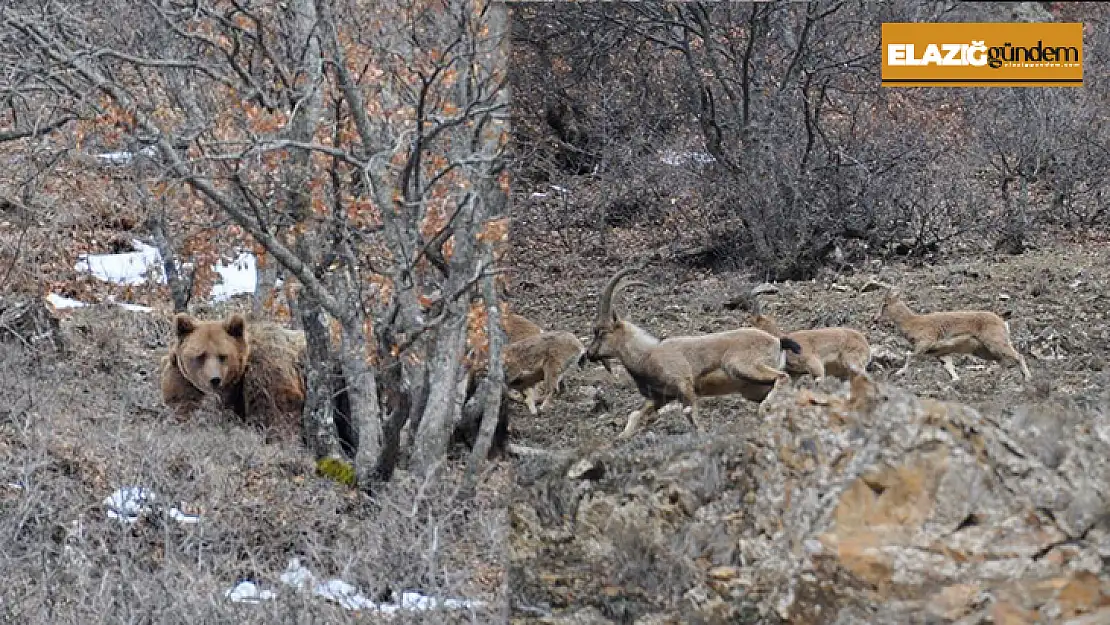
(839, 352)
(747, 361)
(942, 334)
(518, 327)
(541, 359)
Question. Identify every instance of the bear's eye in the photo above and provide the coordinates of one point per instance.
(223, 357)
(201, 357)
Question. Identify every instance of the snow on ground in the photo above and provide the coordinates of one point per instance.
(675, 158)
(145, 263)
(60, 301)
(248, 592)
(132, 268)
(239, 276)
(123, 158)
(346, 595)
(130, 503)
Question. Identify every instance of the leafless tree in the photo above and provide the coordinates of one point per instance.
(784, 152)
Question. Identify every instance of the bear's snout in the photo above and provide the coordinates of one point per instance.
(215, 381)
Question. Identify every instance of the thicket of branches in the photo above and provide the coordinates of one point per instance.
(784, 151)
(355, 145)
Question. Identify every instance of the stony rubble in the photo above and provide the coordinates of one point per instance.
(840, 505)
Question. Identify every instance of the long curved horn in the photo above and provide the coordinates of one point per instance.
(605, 300)
(753, 302)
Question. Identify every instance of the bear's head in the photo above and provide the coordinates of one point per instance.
(212, 355)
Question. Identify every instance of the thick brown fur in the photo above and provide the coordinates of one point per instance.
(541, 360)
(518, 327)
(839, 352)
(256, 369)
(942, 334)
(747, 361)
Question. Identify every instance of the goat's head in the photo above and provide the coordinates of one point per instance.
(890, 297)
(609, 330)
(755, 312)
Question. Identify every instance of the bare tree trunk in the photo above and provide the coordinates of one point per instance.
(485, 63)
(266, 284)
(444, 400)
(489, 393)
(181, 287)
(362, 392)
(318, 416)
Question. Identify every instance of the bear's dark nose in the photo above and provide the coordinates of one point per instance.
(215, 382)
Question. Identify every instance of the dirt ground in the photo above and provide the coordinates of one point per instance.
(1053, 297)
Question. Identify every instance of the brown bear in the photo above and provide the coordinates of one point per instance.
(256, 369)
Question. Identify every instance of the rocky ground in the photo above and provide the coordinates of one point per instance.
(905, 500)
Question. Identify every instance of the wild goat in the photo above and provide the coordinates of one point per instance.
(518, 327)
(747, 361)
(839, 352)
(543, 358)
(942, 334)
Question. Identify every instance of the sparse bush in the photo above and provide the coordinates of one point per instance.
(761, 134)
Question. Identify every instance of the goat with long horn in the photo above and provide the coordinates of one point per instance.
(746, 361)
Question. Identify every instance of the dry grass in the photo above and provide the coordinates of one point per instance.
(74, 429)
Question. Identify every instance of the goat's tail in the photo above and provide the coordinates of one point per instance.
(790, 344)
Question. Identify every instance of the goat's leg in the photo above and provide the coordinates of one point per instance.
(551, 381)
(690, 405)
(910, 356)
(950, 367)
(634, 418)
(815, 367)
(530, 399)
(1007, 355)
(1024, 368)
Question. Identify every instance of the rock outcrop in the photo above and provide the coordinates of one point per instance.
(860, 505)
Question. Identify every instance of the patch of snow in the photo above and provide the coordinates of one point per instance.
(248, 592)
(131, 307)
(61, 302)
(675, 158)
(539, 195)
(130, 503)
(185, 519)
(125, 157)
(350, 598)
(127, 268)
(238, 276)
(344, 594)
(296, 575)
(135, 268)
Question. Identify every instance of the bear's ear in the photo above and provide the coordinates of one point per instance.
(236, 326)
(184, 324)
